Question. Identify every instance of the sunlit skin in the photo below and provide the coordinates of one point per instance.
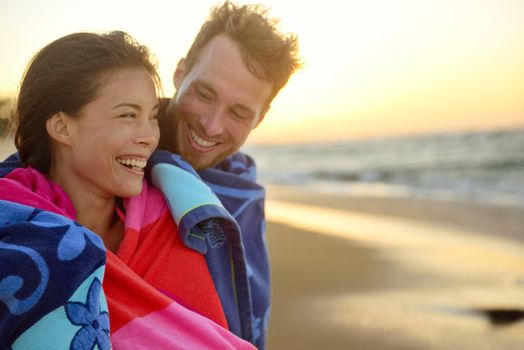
(410, 67)
(217, 104)
(119, 126)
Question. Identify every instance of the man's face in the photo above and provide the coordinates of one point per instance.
(217, 104)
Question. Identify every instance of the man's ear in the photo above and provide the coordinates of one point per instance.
(180, 71)
(58, 128)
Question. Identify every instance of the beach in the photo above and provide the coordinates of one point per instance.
(381, 272)
(363, 272)
(6, 147)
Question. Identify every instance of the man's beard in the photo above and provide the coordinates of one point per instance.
(170, 125)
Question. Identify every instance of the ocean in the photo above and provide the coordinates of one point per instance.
(471, 166)
(483, 166)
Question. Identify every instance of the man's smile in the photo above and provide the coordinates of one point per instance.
(199, 141)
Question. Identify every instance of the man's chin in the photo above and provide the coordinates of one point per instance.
(204, 165)
(203, 161)
(200, 164)
(196, 162)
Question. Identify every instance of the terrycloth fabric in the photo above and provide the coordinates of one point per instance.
(51, 270)
(153, 251)
(234, 182)
(151, 292)
(244, 291)
(236, 255)
(9, 164)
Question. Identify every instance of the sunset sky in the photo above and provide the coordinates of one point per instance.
(372, 67)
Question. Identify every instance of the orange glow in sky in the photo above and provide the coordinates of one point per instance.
(372, 67)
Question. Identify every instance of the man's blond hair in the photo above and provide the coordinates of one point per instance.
(268, 54)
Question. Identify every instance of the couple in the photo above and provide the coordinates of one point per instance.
(85, 241)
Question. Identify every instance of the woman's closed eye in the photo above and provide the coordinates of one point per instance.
(131, 115)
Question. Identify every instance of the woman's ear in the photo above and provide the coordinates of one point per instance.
(58, 128)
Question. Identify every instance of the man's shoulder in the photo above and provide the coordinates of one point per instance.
(240, 164)
(9, 164)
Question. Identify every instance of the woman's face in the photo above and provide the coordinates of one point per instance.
(114, 135)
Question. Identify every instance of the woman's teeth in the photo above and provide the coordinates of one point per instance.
(135, 164)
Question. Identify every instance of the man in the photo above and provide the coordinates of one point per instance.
(236, 65)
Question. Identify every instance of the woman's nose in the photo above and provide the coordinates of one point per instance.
(148, 133)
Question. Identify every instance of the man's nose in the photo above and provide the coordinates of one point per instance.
(214, 121)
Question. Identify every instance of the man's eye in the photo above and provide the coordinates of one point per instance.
(203, 95)
(241, 116)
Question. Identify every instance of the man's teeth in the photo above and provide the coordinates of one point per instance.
(135, 164)
(200, 141)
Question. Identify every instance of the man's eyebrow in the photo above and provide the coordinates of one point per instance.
(203, 85)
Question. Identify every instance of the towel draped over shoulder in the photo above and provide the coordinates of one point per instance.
(60, 288)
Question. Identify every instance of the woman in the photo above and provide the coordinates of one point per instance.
(86, 124)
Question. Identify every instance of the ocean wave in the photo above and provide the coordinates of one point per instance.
(471, 165)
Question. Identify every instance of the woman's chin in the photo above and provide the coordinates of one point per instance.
(131, 190)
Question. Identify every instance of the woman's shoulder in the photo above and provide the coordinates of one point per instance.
(46, 259)
(30, 187)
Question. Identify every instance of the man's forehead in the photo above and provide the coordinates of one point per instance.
(220, 67)
(222, 50)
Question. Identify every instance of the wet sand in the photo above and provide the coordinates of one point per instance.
(386, 273)
(345, 278)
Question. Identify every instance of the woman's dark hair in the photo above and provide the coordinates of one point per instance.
(64, 76)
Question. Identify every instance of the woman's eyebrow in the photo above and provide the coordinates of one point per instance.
(128, 104)
(135, 106)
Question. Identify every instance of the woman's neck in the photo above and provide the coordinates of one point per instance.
(97, 215)
(101, 218)
(96, 212)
